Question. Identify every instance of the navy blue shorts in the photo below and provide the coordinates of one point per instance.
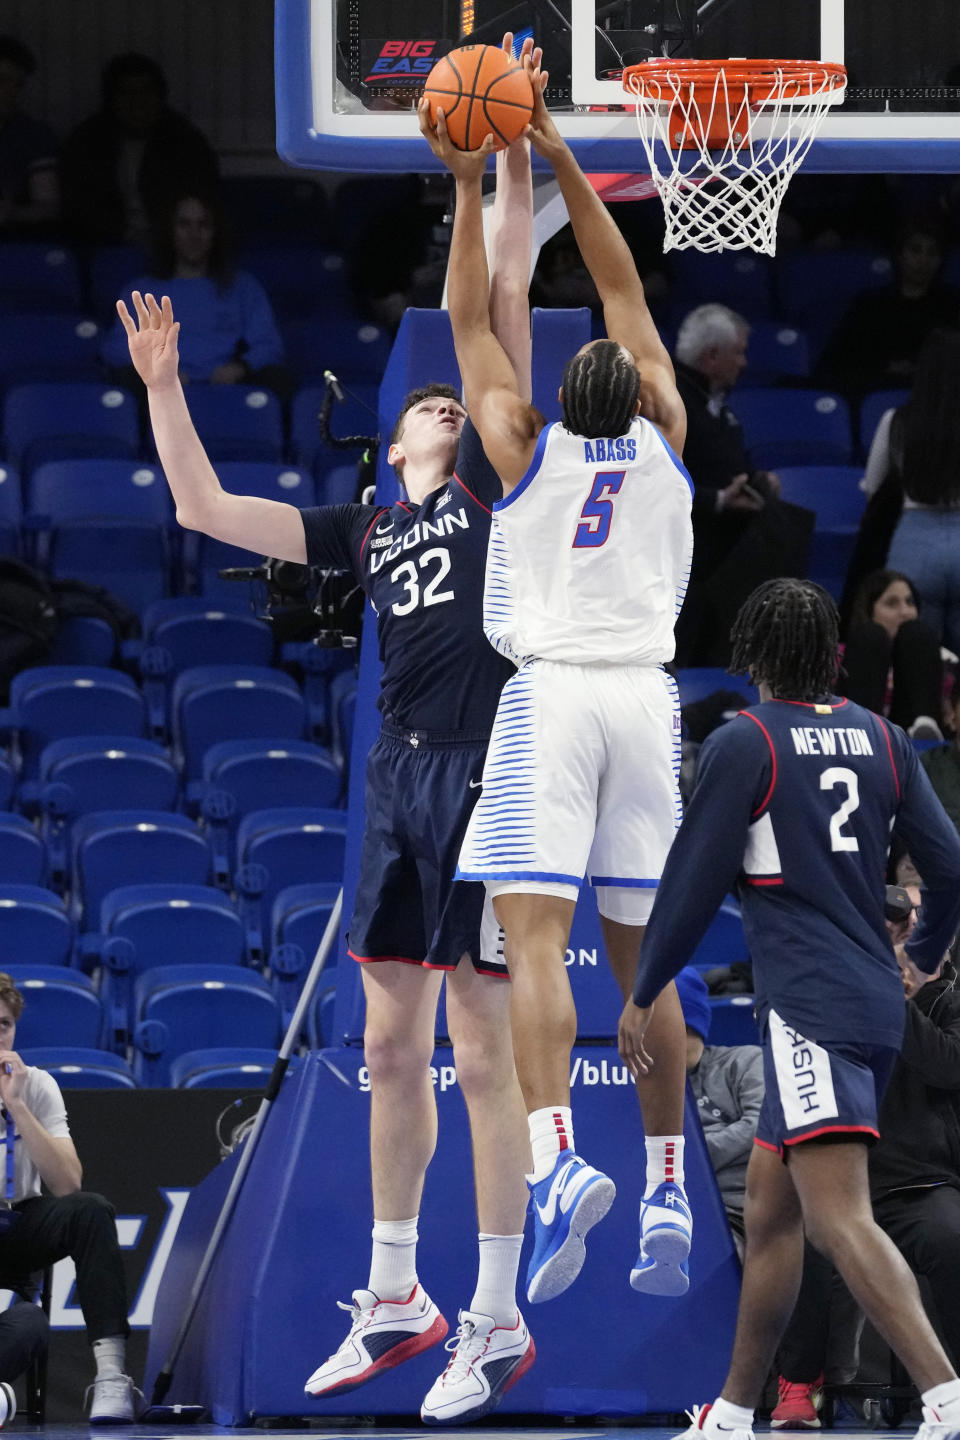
(819, 1088)
(421, 789)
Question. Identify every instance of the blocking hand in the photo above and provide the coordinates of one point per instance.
(152, 339)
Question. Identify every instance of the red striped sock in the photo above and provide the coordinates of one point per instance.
(664, 1160)
(551, 1131)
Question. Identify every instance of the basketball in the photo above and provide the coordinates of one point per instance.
(482, 91)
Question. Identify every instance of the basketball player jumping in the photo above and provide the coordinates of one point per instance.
(589, 556)
(793, 807)
(411, 921)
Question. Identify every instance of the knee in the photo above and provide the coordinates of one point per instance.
(85, 1208)
(484, 1063)
(392, 1054)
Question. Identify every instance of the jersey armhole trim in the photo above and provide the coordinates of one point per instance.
(532, 469)
(773, 761)
(475, 498)
(366, 536)
(893, 763)
(671, 452)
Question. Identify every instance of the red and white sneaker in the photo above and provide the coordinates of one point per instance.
(798, 1404)
(383, 1333)
(705, 1427)
(933, 1428)
(487, 1360)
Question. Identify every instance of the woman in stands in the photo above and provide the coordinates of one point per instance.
(891, 659)
(230, 336)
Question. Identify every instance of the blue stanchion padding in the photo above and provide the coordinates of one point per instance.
(557, 334)
(300, 1239)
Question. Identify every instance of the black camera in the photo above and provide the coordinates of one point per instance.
(897, 905)
(304, 603)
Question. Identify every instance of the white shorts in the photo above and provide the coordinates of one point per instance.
(580, 781)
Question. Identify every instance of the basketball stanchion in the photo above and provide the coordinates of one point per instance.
(161, 1385)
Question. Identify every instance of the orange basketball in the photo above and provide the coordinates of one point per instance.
(481, 91)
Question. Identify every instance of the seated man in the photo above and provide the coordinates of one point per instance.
(36, 1230)
(727, 1084)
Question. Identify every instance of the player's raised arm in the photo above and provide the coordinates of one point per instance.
(508, 425)
(266, 527)
(607, 256)
(511, 238)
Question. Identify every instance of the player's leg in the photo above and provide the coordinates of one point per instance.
(494, 1346)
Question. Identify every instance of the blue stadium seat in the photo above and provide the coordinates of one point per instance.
(872, 408)
(833, 492)
(337, 486)
(107, 522)
(225, 1067)
(724, 942)
(298, 921)
(217, 702)
(146, 926)
(193, 631)
(272, 772)
(732, 1020)
(38, 276)
(34, 926)
(11, 511)
(106, 772)
(271, 205)
(794, 427)
(8, 782)
(188, 1007)
(69, 420)
(110, 268)
(84, 640)
(776, 352)
(237, 422)
(737, 278)
(48, 347)
(356, 416)
(353, 349)
(61, 1007)
(112, 848)
(23, 856)
(343, 704)
(53, 701)
(203, 557)
(321, 1017)
(299, 279)
(277, 848)
(75, 1068)
(816, 286)
(697, 682)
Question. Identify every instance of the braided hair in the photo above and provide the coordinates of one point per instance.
(600, 390)
(786, 635)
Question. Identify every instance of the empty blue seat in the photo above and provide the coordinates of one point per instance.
(225, 1067)
(277, 848)
(732, 1020)
(112, 848)
(272, 772)
(48, 347)
(23, 857)
(75, 1068)
(832, 491)
(237, 422)
(353, 349)
(69, 420)
(193, 631)
(107, 522)
(34, 926)
(356, 416)
(110, 267)
(11, 511)
(776, 352)
(343, 704)
(61, 1007)
(697, 682)
(736, 278)
(216, 702)
(298, 921)
(204, 557)
(38, 276)
(724, 942)
(338, 486)
(299, 279)
(188, 1007)
(872, 408)
(794, 427)
(53, 701)
(84, 640)
(320, 1032)
(816, 286)
(106, 772)
(7, 782)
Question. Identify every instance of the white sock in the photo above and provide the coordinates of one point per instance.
(393, 1263)
(730, 1416)
(551, 1130)
(664, 1161)
(945, 1400)
(496, 1292)
(110, 1355)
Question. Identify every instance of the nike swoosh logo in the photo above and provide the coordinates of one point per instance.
(565, 1189)
(475, 784)
(382, 529)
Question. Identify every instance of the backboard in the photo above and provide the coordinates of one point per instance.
(348, 72)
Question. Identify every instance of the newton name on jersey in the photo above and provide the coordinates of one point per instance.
(824, 740)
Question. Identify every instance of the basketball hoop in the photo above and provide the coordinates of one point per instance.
(723, 139)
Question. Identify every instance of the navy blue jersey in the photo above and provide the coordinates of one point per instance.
(793, 808)
(423, 569)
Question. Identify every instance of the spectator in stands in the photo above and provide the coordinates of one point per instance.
(122, 165)
(942, 763)
(727, 1084)
(43, 1228)
(29, 184)
(230, 336)
(878, 341)
(891, 658)
(915, 1167)
(742, 533)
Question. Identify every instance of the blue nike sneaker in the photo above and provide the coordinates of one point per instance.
(566, 1204)
(666, 1229)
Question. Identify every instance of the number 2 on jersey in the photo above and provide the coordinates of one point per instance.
(597, 513)
(831, 777)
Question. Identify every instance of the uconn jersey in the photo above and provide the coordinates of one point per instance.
(793, 807)
(590, 554)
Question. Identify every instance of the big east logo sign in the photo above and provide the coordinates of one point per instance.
(403, 61)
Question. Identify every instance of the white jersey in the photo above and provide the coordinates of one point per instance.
(590, 554)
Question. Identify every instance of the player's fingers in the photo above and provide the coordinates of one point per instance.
(126, 319)
(154, 311)
(143, 314)
(536, 55)
(506, 45)
(544, 81)
(166, 310)
(489, 145)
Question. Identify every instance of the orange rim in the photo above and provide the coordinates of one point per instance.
(795, 78)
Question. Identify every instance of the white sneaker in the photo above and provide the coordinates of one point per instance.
(8, 1403)
(487, 1360)
(936, 1429)
(383, 1333)
(704, 1427)
(115, 1400)
(666, 1229)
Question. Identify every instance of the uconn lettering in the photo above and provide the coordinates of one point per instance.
(620, 447)
(418, 534)
(830, 740)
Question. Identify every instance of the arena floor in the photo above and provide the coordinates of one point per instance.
(385, 1432)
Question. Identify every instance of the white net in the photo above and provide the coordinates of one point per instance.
(722, 175)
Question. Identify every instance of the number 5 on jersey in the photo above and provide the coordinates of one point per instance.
(597, 513)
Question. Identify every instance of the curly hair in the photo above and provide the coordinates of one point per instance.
(600, 390)
(786, 635)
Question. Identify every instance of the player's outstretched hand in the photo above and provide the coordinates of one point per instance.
(542, 132)
(466, 165)
(152, 339)
(630, 1032)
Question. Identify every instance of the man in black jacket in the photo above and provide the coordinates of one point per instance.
(915, 1167)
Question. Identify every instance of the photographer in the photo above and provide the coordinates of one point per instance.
(38, 1229)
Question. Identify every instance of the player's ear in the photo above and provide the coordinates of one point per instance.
(395, 455)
